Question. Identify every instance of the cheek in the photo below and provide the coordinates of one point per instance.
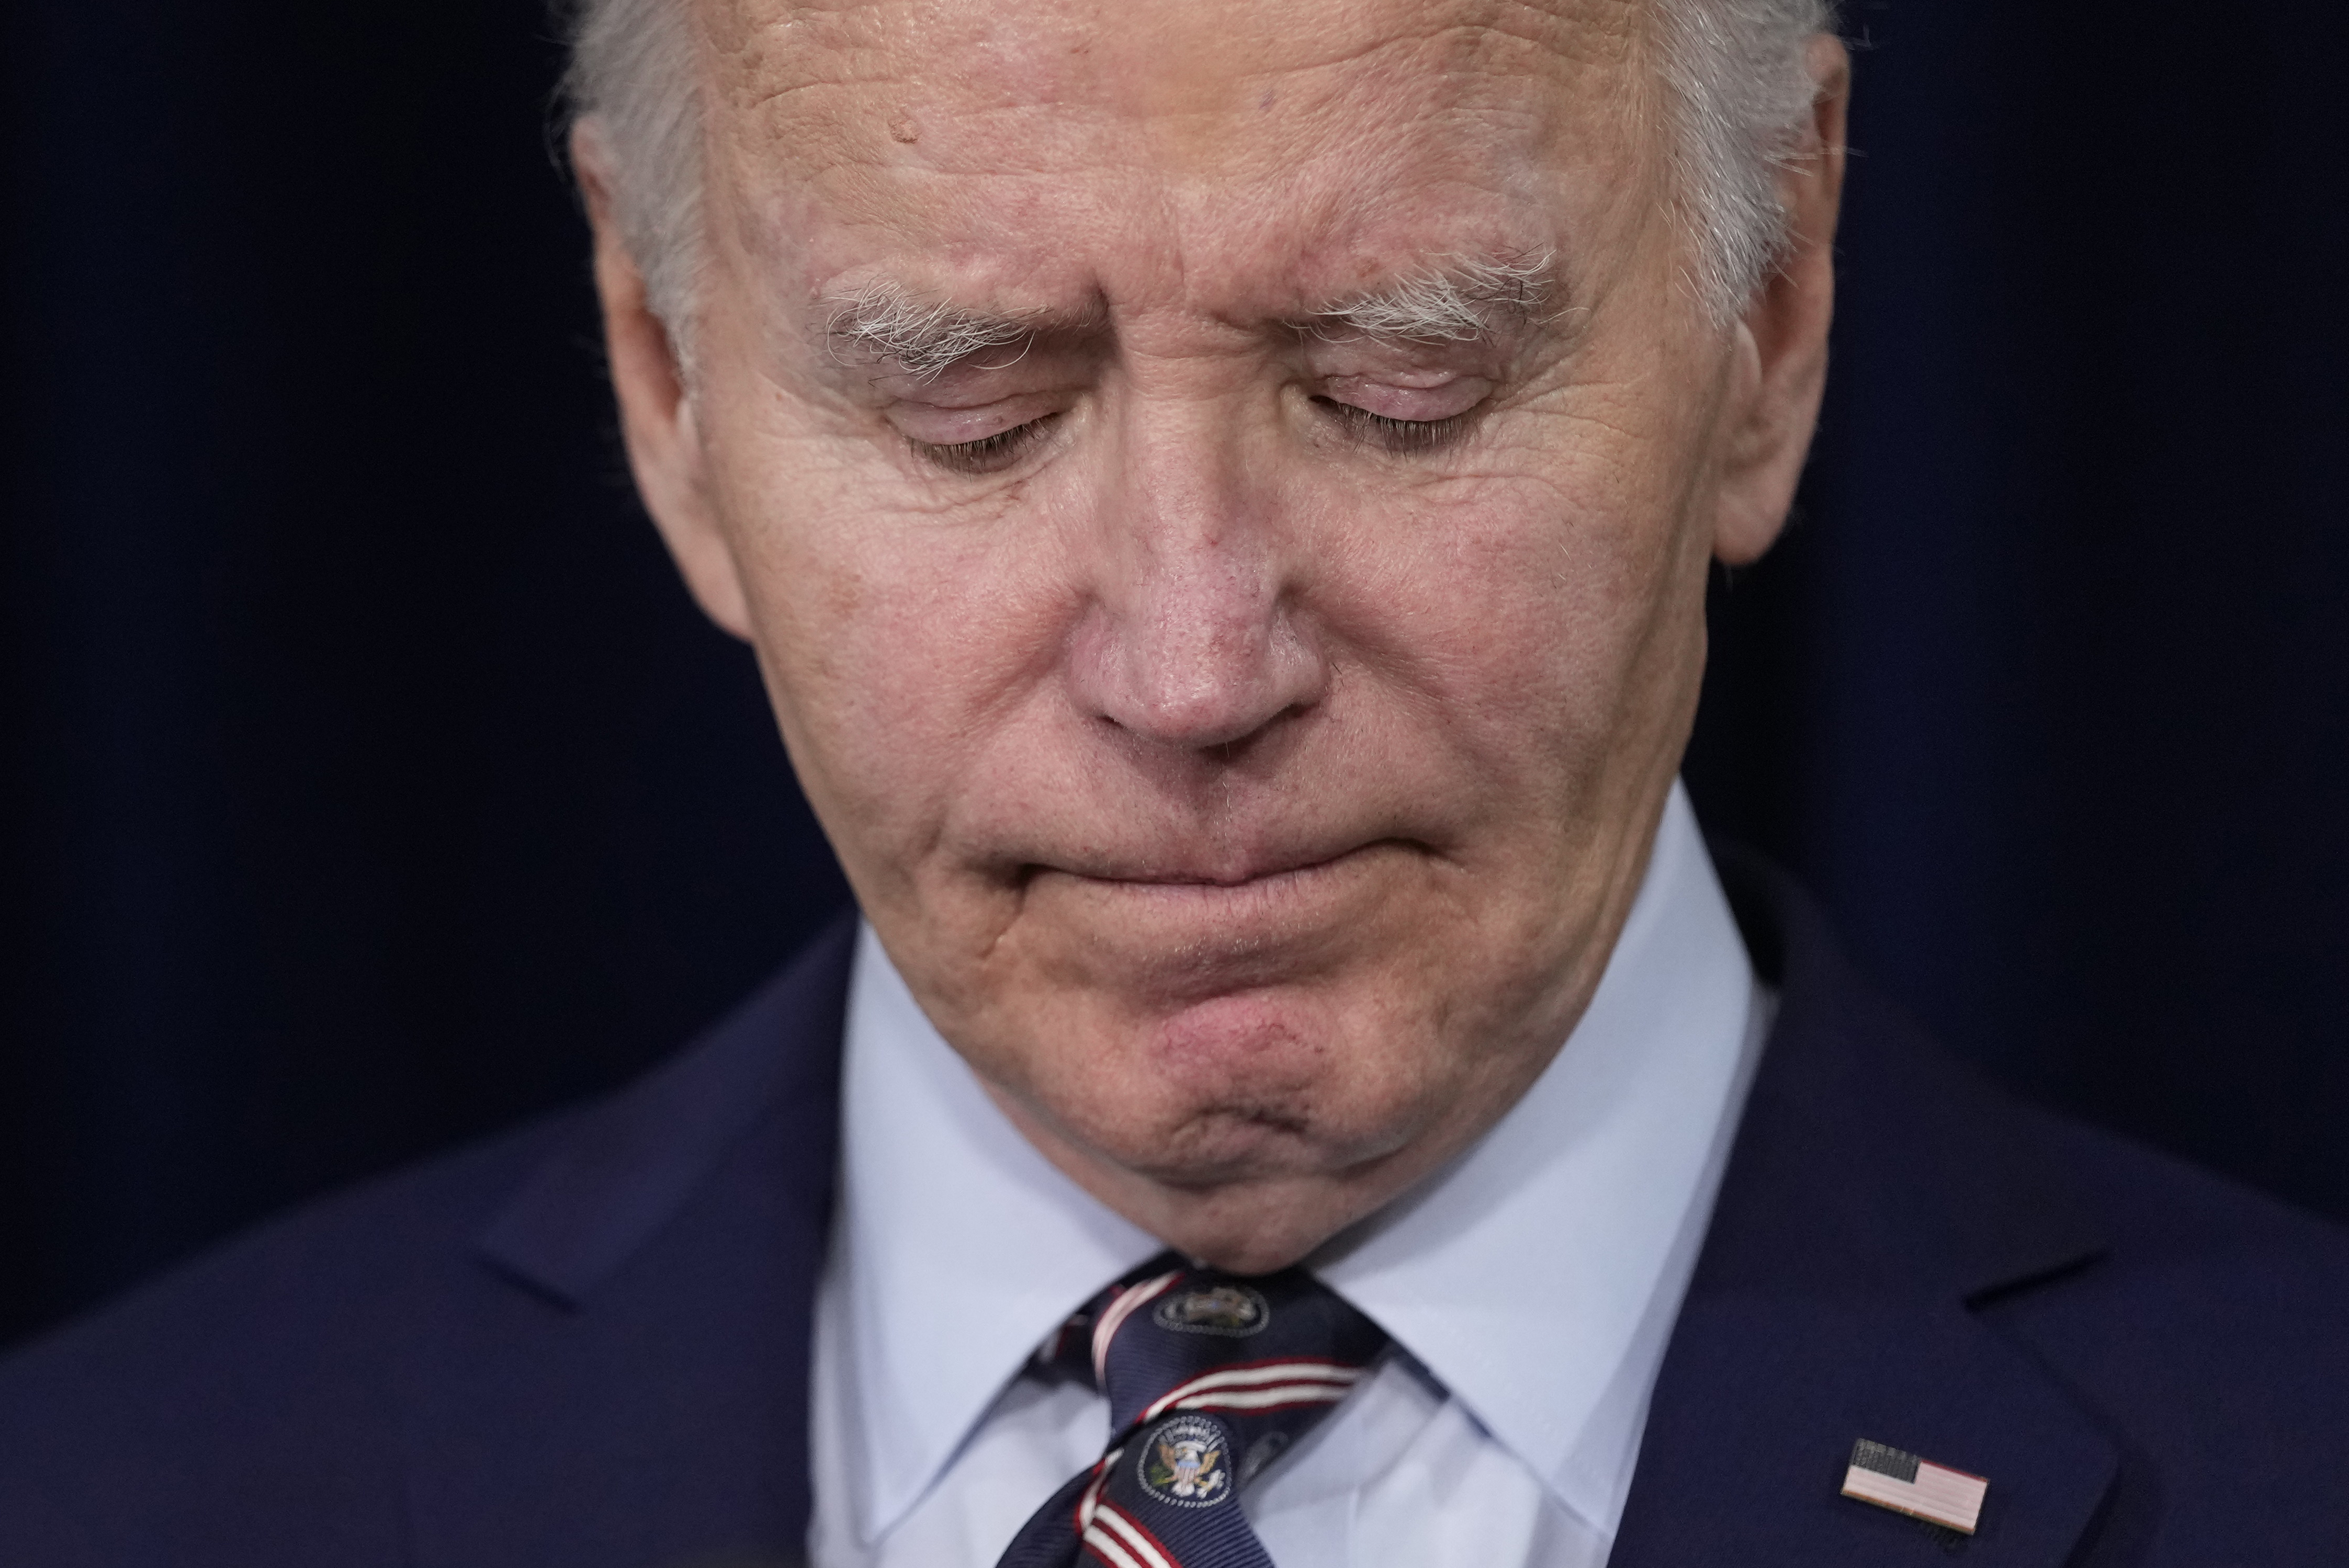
(901, 645)
(1515, 606)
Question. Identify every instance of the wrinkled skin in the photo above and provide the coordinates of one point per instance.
(1250, 790)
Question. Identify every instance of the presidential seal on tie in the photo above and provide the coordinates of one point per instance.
(1182, 1464)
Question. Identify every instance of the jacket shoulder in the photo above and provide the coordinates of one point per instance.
(2150, 1361)
(259, 1382)
(2210, 1339)
(301, 1395)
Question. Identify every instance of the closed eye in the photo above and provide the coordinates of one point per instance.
(988, 454)
(1402, 437)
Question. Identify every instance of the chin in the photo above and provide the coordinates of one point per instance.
(1299, 1113)
(1302, 1073)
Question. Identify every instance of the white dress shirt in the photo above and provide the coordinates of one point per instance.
(1529, 1285)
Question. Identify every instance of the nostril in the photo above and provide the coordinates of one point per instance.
(1199, 661)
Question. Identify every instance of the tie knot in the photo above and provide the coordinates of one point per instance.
(1210, 1378)
(1171, 1337)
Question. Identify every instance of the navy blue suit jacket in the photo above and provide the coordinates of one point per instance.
(585, 1345)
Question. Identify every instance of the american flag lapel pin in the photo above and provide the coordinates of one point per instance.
(1892, 1478)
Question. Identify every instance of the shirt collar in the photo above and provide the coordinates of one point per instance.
(957, 1249)
(1536, 1277)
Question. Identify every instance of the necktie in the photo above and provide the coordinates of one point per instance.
(1209, 1376)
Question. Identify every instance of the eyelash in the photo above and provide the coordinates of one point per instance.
(991, 454)
(1402, 437)
(988, 454)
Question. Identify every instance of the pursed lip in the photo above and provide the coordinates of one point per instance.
(1267, 881)
(1252, 872)
(1252, 877)
(1176, 937)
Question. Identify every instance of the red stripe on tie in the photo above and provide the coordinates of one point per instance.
(1139, 1537)
(1272, 1371)
(1255, 1401)
(1115, 1315)
(1089, 1499)
(1104, 1547)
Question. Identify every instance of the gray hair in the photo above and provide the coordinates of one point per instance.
(1740, 81)
(1735, 69)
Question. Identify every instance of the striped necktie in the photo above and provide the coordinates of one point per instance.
(1209, 1376)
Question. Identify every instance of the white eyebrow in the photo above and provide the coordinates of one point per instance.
(884, 321)
(1459, 301)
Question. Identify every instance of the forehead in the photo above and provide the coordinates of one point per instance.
(1194, 145)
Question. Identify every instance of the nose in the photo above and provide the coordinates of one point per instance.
(1194, 637)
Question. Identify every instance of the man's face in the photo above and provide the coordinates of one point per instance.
(1240, 674)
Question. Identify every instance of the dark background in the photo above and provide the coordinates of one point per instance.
(369, 782)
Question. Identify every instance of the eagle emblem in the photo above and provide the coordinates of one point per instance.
(1182, 1464)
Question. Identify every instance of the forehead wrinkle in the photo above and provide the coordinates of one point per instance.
(859, 60)
(762, 53)
(1422, 69)
(779, 54)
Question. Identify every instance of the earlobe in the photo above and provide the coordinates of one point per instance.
(1754, 498)
(1781, 350)
(688, 526)
(657, 421)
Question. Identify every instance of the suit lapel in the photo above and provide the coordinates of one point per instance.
(1877, 1197)
(621, 1381)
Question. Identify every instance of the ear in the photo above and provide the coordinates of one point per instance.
(656, 411)
(1781, 341)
